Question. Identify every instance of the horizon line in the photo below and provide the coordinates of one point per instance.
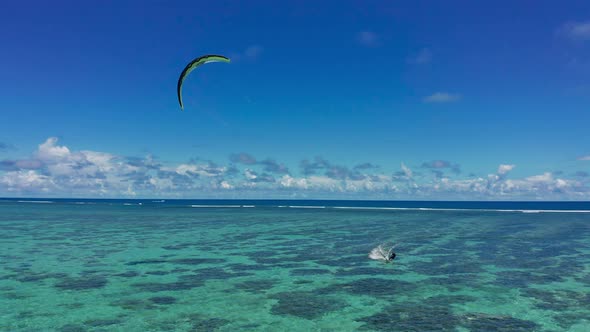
(297, 199)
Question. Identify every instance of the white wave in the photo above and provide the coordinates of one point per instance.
(380, 253)
(534, 211)
(248, 206)
(306, 207)
(457, 209)
(369, 208)
(216, 206)
(377, 253)
(160, 201)
(555, 211)
(39, 202)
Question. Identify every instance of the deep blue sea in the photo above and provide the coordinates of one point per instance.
(293, 265)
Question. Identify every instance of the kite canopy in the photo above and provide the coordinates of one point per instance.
(191, 66)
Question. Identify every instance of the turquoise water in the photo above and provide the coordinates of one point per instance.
(158, 267)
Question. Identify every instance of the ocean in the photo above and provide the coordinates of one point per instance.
(293, 265)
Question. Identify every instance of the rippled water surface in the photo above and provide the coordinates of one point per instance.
(158, 267)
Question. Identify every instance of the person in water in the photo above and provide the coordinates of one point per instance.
(380, 254)
(390, 256)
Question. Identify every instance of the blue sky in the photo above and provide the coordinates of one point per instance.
(414, 100)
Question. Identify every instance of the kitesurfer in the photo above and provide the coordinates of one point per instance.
(391, 256)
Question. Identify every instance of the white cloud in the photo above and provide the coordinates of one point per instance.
(27, 181)
(287, 181)
(49, 151)
(407, 171)
(199, 170)
(249, 174)
(130, 191)
(560, 183)
(186, 169)
(542, 186)
(584, 158)
(161, 184)
(578, 31)
(101, 160)
(442, 97)
(504, 169)
(58, 169)
(545, 177)
(63, 172)
(226, 185)
(369, 184)
(324, 183)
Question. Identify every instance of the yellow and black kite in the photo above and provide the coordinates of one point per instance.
(191, 66)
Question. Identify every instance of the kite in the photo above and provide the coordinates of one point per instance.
(191, 66)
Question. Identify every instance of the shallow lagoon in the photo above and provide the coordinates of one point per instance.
(154, 267)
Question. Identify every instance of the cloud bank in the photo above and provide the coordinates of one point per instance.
(54, 170)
